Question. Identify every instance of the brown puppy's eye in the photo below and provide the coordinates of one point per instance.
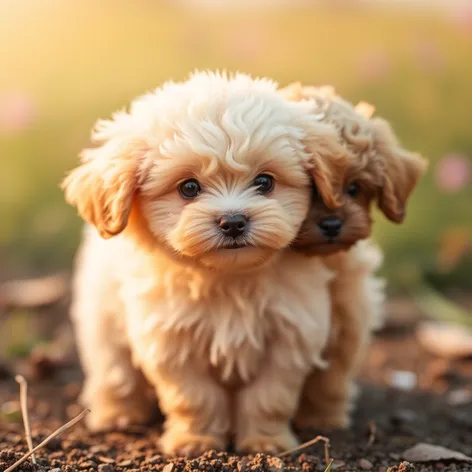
(264, 183)
(353, 189)
(190, 189)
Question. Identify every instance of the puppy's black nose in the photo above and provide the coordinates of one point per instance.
(330, 227)
(233, 225)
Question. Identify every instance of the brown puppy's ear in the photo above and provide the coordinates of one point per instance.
(102, 188)
(327, 163)
(402, 170)
(365, 109)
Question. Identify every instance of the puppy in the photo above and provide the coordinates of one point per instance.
(183, 286)
(380, 170)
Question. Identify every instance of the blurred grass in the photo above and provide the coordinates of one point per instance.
(76, 61)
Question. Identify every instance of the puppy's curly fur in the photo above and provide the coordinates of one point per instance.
(224, 330)
(378, 169)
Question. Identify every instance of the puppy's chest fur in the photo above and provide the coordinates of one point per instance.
(225, 325)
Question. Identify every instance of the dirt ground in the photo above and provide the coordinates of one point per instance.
(387, 421)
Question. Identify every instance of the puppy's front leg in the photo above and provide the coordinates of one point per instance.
(328, 395)
(265, 407)
(115, 390)
(196, 407)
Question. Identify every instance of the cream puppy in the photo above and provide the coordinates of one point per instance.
(201, 186)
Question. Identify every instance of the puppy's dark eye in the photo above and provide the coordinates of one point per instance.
(264, 183)
(353, 189)
(190, 189)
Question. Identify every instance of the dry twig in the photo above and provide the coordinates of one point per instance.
(372, 433)
(24, 412)
(329, 466)
(308, 444)
(49, 438)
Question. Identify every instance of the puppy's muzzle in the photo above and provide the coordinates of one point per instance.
(233, 226)
(330, 227)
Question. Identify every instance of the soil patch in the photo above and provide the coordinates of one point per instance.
(387, 422)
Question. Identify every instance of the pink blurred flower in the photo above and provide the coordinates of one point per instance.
(374, 65)
(17, 112)
(428, 56)
(453, 172)
(462, 17)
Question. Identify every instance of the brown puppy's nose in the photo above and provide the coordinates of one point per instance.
(330, 227)
(233, 225)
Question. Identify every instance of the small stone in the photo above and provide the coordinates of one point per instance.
(106, 460)
(337, 464)
(445, 340)
(106, 468)
(11, 410)
(364, 464)
(98, 448)
(403, 380)
(88, 465)
(424, 452)
(459, 397)
(126, 463)
(57, 469)
(10, 407)
(168, 467)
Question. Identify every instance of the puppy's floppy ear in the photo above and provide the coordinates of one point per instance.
(327, 163)
(401, 171)
(102, 188)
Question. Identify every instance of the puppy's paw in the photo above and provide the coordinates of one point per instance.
(324, 421)
(189, 445)
(119, 413)
(271, 445)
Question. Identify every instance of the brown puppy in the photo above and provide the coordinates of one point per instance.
(380, 170)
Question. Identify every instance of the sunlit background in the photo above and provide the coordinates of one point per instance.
(65, 63)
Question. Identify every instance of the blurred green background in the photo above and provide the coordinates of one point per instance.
(65, 63)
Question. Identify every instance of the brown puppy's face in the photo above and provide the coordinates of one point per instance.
(327, 230)
(387, 175)
(378, 169)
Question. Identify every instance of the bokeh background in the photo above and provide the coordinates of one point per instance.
(63, 64)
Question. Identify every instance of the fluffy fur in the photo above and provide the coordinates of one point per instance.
(378, 169)
(223, 331)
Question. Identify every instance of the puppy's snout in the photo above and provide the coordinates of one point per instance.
(330, 227)
(233, 225)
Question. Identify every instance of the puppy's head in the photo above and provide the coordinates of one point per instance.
(212, 169)
(379, 169)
